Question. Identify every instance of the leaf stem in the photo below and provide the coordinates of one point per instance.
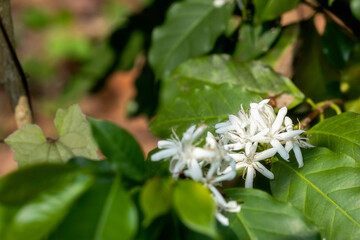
(319, 110)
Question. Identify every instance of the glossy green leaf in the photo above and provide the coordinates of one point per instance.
(34, 200)
(314, 75)
(355, 8)
(271, 9)
(252, 76)
(337, 45)
(120, 147)
(339, 133)
(254, 41)
(326, 189)
(208, 89)
(75, 139)
(105, 212)
(263, 217)
(208, 104)
(195, 207)
(156, 198)
(190, 30)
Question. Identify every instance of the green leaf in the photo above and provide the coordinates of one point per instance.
(195, 207)
(314, 75)
(353, 106)
(105, 212)
(254, 41)
(208, 104)
(263, 217)
(278, 56)
(190, 30)
(326, 189)
(208, 89)
(75, 139)
(252, 76)
(270, 9)
(339, 133)
(122, 150)
(34, 200)
(337, 45)
(156, 198)
(355, 8)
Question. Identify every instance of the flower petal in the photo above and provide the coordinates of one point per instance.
(280, 149)
(166, 144)
(290, 134)
(222, 219)
(263, 170)
(166, 153)
(288, 146)
(298, 155)
(194, 171)
(250, 174)
(279, 120)
(268, 153)
(226, 177)
(200, 153)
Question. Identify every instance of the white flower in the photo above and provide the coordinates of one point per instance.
(295, 143)
(231, 206)
(180, 152)
(250, 162)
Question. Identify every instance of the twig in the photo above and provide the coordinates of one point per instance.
(320, 110)
(11, 71)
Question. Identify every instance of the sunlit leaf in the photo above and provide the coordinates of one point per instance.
(271, 9)
(326, 189)
(34, 200)
(122, 150)
(104, 212)
(355, 8)
(75, 139)
(339, 133)
(190, 30)
(263, 217)
(195, 207)
(155, 198)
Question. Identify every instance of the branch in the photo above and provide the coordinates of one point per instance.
(318, 111)
(11, 73)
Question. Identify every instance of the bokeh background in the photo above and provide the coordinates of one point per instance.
(92, 52)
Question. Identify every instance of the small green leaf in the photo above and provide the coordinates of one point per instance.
(34, 200)
(254, 41)
(355, 8)
(195, 207)
(339, 133)
(190, 30)
(120, 147)
(75, 139)
(105, 212)
(271, 9)
(263, 217)
(326, 189)
(155, 198)
(337, 45)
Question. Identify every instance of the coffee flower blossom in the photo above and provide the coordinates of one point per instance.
(242, 143)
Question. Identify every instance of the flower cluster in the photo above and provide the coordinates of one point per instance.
(236, 148)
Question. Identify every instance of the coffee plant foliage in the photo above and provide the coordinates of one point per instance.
(260, 126)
